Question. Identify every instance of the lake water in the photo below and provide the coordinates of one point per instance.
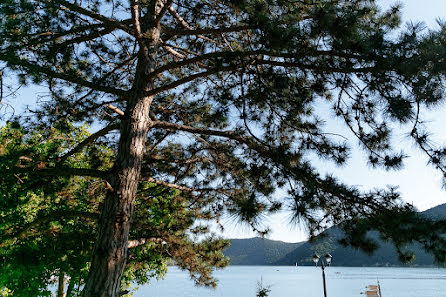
(288, 281)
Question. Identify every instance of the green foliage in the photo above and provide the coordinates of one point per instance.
(48, 228)
(46, 224)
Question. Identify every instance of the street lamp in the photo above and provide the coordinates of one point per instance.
(328, 261)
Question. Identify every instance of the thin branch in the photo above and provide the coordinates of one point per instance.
(137, 26)
(162, 12)
(247, 140)
(169, 185)
(55, 35)
(202, 131)
(190, 78)
(230, 55)
(104, 77)
(211, 31)
(115, 109)
(185, 188)
(158, 158)
(66, 77)
(314, 67)
(83, 38)
(173, 52)
(209, 72)
(186, 25)
(88, 140)
(158, 142)
(96, 16)
(62, 171)
(56, 215)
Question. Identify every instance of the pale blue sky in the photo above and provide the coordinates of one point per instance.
(418, 183)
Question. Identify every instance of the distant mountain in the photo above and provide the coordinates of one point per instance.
(257, 251)
(385, 255)
(437, 212)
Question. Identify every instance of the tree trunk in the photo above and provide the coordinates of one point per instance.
(110, 253)
(61, 285)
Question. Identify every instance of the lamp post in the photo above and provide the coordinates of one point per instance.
(328, 261)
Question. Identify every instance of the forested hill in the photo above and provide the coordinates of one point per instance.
(257, 251)
(436, 212)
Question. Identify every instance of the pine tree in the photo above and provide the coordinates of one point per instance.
(218, 99)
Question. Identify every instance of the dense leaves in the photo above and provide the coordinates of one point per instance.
(48, 229)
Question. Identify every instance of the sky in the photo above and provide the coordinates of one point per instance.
(418, 183)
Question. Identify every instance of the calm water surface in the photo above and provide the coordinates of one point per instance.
(241, 281)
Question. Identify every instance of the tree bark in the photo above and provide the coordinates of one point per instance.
(110, 253)
(61, 285)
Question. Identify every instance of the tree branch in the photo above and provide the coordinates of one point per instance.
(115, 109)
(190, 78)
(186, 25)
(63, 171)
(96, 16)
(169, 185)
(56, 215)
(231, 56)
(211, 31)
(314, 67)
(173, 52)
(157, 158)
(202, 131)
(88, 140)
(247, 140)
(134, 7)
(83, 38)
(41, 37)
(162, 12)
(66, 77)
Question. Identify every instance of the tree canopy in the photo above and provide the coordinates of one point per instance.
(219, 99)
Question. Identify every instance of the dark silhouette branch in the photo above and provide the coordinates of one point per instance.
(314, 67)
(79, 39)
(251, 142)
(210, 31)
(183, 23)
(157, 158)
(55, 215)
(87, 141)
(96, 16)
(62, 171)
(33, 67)
(231, 55)
(190, 78)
